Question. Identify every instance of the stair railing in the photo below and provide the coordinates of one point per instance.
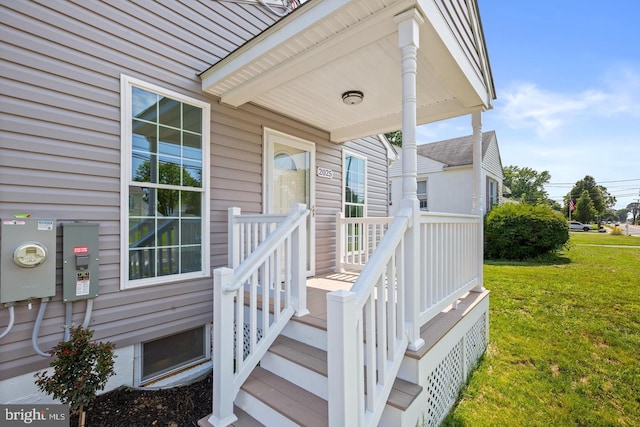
(366, 332)
(258, 296)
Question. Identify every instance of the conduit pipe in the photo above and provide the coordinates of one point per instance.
(12, 318)
(36, 328)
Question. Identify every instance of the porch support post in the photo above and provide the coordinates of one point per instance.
(408, 40)
(344, 360)
(224, 392)
(478, 195)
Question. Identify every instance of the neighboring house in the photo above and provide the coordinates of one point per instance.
(445, 175)
(193, 169)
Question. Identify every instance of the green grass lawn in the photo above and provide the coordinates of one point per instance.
(564, 346)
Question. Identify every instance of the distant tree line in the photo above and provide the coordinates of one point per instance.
(586, 202)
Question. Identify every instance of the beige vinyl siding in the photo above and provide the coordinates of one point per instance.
(60, 150)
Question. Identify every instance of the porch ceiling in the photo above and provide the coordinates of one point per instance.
(300, 67)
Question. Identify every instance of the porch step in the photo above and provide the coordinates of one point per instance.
(309, 357)
(296, 405)
(290, 387)
(403, 392)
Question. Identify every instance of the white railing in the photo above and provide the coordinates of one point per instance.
(449, 250)
(356, 239)
(366, 328)
(247, 231)
(262, 292)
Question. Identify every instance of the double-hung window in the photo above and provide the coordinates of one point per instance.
(354, 176)
(165, 190)
(422, 194)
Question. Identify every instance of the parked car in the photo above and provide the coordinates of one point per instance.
(578, 226)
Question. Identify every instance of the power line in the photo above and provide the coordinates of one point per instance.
(601, 182)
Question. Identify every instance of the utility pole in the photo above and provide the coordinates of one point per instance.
(636, 211)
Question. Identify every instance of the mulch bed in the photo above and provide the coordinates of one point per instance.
(179, 406)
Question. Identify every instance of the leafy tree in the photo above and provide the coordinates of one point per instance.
(621, 215)
(609, 213)
(526, 184)
(395, 137)
(634, 208)
(584, 208)
(599, 195)
(554, 205)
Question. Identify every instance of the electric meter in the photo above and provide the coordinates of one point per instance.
(30, 254)
(27, 259)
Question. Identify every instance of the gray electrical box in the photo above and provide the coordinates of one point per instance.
(79, 260)
(28, 265)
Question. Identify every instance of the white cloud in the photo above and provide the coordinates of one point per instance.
(527, 106)
(624, 89)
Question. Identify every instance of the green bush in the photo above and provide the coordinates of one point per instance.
(521, 231)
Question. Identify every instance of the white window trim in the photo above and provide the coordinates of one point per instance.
(126, 83)
(426, 185)
(346, 153)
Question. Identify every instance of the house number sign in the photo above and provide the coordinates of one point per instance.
(325, 173)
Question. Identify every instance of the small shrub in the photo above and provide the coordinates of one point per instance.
(80, 369)
(521, 231)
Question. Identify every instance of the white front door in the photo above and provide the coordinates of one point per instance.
(289, 179)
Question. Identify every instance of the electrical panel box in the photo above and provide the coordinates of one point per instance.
(28, 259)
(79, 261)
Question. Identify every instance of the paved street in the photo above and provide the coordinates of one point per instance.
(632, 230)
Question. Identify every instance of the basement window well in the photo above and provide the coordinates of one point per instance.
(163, 356)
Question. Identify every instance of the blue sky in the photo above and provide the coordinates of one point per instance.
(567, 77)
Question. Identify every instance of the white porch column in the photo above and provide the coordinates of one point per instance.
(478, 194)
(408, 40)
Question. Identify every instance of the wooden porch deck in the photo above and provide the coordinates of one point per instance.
(317, 289)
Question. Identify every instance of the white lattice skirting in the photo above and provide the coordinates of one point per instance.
(455, 343)
(447, 379)
(246, 339)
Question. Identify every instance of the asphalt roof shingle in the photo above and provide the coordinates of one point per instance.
(455, 151)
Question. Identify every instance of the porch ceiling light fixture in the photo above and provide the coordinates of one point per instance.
(352, 97)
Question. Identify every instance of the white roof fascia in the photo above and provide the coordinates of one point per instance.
(434, 16)
(392, 153)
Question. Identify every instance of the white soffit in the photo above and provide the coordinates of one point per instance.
(301, 66)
